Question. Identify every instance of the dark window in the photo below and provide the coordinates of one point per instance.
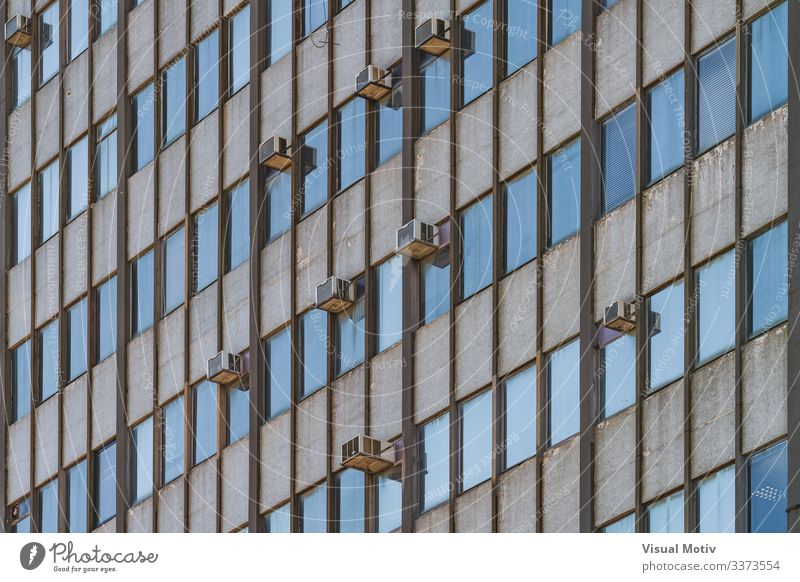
(665, 331)
(521, 40)
(435, 86)
(174, 249)
(142, 296)
(78, 27)
(78, 339)
(21, 226)
(476, 440)
(142, 465)
(279, 203)
(314, 331)
(20, 76)
(280, 29)
(350, 333)
(280, 520)
(769, 62)
(716, 94)
(565, 18)
(666, 515)
(173, 88)
(107, 12)
(21, 381)
(520, 417)
(390, 501)
(107, 319)
(279, 377)
(313, 512)
(237, 413)
(352, 143)
(105, 484)
(106, 156)
(769, 474)
(207, 85)
(436, 285)
(204, 421)
(314, 160)
(205, 248)
(390, 120)
(350, 487)
(48, 202)
(48, 364)
(619, 158)
(520, 212)
(389, 328)
(78, 184)
(77, 494)
(144, 128)
(619, 374)
(565, 192)
(239, 60)
(716, 502)
(564, 375)
(237, 226)
(716, 290)
(476, 247)
(48, 507)
(435, 462)
(767, 279)
(172, 440)
(476, 51)
(315, 13)
(48, 43)
(666, 116)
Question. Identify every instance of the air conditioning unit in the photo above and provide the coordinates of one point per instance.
(368, 454)
(620, 316)
(275, 154)
(433, 36)
(335, 295)
(18, 31)
(373, 83)
(416, 239)
(224, 368)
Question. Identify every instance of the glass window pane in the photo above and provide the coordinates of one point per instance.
(716, 289)
(520, 417)
(105, 478)
(350, 333)
(207, 61)
(312, 507)
(237, 226)
(625, 525)
(522, 16)
(142, 284)
(107, 319)
(48, 202)
(205, 421)
(565, 192)
(204, 255)
(476, 228)
(717, 502)
(279, 365)
(666, 330)
(48, 507)
(619, 374)
(565, 392)
(390, 120)
(315, 352)
(315, 13)
(174, 92)
(238, 420)
(280, 520)
(174, 270)
(48, 366)
(314, 160)
(352, 143)
(476, 50)
(666, 115)
(143, 461)
(520, 220)
(279, 203)
(78, 27)
(769, 61)
(48, 43)
(78, 340)
(716, 95)
(565, 18)
(240, 49)
(78, 159)
(436, 462)
(108, 15)
(619, 158)
(77, 493)
(172, 436)
(21, 381)
(20, 75)
(21, 203)
(768, 279)
(106, 156)
(769, 475)
(390, 303)
(476, 440)
(390, 501)
(666, 516)
(435, 73)
(143, 104)
(280, 29)
(436, 284)
(351, 501)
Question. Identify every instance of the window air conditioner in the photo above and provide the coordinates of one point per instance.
(433, 36)
(620, 316)
(368, 454)
(224, 368)
(416, 239)
(335, 295)
(18, 31)
(275, 154)
(373, 83)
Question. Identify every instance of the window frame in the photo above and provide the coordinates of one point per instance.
(180, 113)
(199, 80)
(133, 266)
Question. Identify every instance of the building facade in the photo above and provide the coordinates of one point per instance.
(565, 154)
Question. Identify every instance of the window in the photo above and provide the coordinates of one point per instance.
(716, 94)
(279, 376)
(769, 62)
(436, 284)
(716, 502)
(626, 524)
(77, 492)
(280, 29)
(144, 130)
(174, 247)
(352, 143)
(390, 303)
(619, 374)
(173, 88)
(609, 3)
(619, 158)
(520, 417)
(521, 41)
(21, 225)
(435, 86)
(390, 120)
(20, 76)
(240, 49)
(767, 279)
(78, 27)
(48, 507)
(351, 501)
(435, 462)
(237, 226)
(390, 501)
(78, 167)
(315, 13)
(476, 51)
(665, 331)
(476, 229)
(314, 331)
(142, 296)
(565, 396)
(21, 382)
(142, 469)
(280, 520)
(314, 155)
(107, 15)
(565, 18)
(207, 87)
(78, 339)
(716, 290)
(666, 515)
(520, 210)
(172, 440)
(23, 522)
(107, 319)
(565, 192)
(238, 422)
(769, 475)
(48, 365)
(204, 253)
(665, 113)
(279, 203)
(48, 202)
(48, 43)
(312, 511)
(106, 156)
(204, 421)
(476, 441)
(105, 484)
(350, 333)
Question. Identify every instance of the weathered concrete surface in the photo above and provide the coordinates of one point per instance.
(516, 499)
(615, 465)
(474, 510)
(561, 292)
(713, 203)
(615, 257)
(662, 434)
(712, 415)
(662, 232)
(765, 184)
(473, 343)
(431, 368)
(560, 503)
(615, 56)
(386, 392)
(517, 99)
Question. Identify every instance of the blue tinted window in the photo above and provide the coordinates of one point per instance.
(716, 502)
(207, 61)
(314, 160)
(521, 41)
(626, 524)
(279, 203)
(315, 13)
(240, 49)
(280, 29)
(520, 220)
(172, 436)
(107, 15)
(520, 417)
(565, 18)
(716, 288)
(174, 107)
(173, 270)
(565, 192)
(768, 484)
(206, 247)
(436, 462)
(142, 285)
(312, 507)
(351, 501)
(390, 120)
(21, 381)
(48, 365)
(476, 50)
(435, 73)
(666, 115)
(619, 158)
(142, 477)
(280, 520)
(78, 182)
(237, 226)
(48, 202)
(315, 353)
(279, 365)
(204, 425)
(565, 415)
(20, 75)
(476, 232)
(107, 319)
(436, 284)
(78, 27)
(48, 507)
(78, 339)
(350, 333)
(105, 479)
(238, 414)
(390, 501)
(144, 130)
(769, 62)
(619, 374)
(352, 143)
(768, 279)
(77, 492)
(666, 516)
(106, 158)
(666, 331)
(716, 95)
(21, 224)
(48, 43)
(476, 440)
(390, 303)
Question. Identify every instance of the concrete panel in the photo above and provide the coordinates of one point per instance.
(561, 292)
(276, 89)
(140, 375)
(312, 78)
(517, 313)
(19, 146)
(662, 434)
(18, 458)
(104, 88)
(662, 232)
(312, 269)
(713, 201)
(46, 439)
(425, 9)
(275, 459)
(170, 508)
(615, 257)
(234, 484)
(474, 510)
(386, 41)
(712, 415)
(348, 410)
(614, 465)
(436, 521)
(202, 331)
(74, 435)
(140, 517)
(203, 497)
(140, 45)
(141, 209)
(432, 176)
(473, 343)
(236, 309)
(203, 161)
(236, 144)
(750, 7)
(171, 30)
(104, 401)
(615, 56)
(18, 302)
(517, 99)
(104, 237)
(47, 275)
(710, 20)
(560, 503)
(349, 35)
(172, 185)
(516, 499)
(764, 389)
(765, 184)
(386, 390)
(386, 208)
(204, 17)
(663, 37)
(432, 368)
(47, 114)
(76, 98)
(108, 527)
(276, 284)
(348, 232)
(562, 84)
(311, 439)
(474, 150)
(171, 354)
(76, 250)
